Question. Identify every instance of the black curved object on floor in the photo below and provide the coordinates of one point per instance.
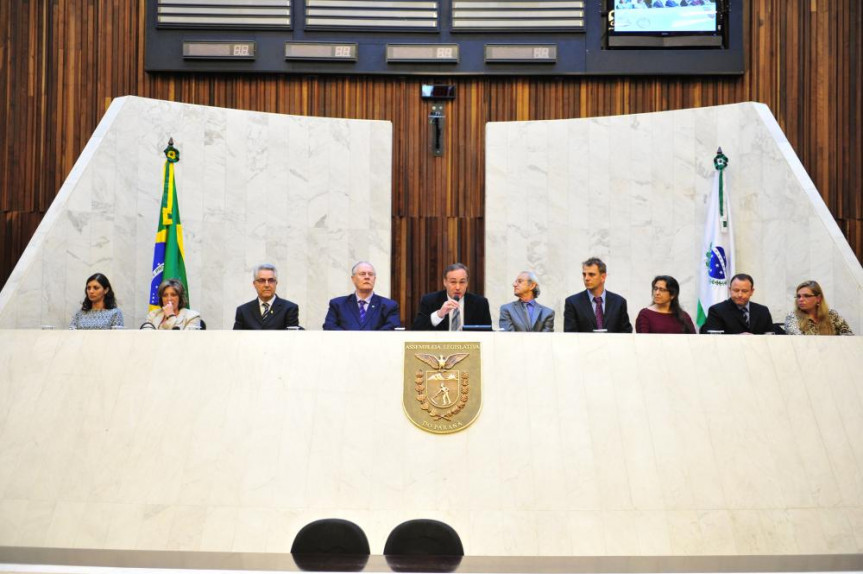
(331, 544)
(423, 545)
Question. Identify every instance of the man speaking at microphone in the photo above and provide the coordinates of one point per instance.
(452, 308)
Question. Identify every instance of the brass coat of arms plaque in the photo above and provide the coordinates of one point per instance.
(442, 392)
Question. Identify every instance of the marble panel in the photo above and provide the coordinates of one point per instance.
(65, 523)
(652, 530)
(124, 520)
(93, 528)
(808, 532)
(633, 190)
(749, 535)
(32, 530)
(13, 513)
(586, 445)
(220, 527)
(155, 527)
(779, 533)
(855, 518)
(252, 188)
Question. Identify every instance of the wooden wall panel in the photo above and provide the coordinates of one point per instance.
(62, 61)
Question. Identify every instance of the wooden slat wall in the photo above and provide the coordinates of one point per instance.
(62, 61)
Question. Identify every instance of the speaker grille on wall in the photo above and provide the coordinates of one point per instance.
(224, 13)
(551, 15)
(372, 15)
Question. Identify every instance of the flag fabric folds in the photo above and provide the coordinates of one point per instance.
(717, 248)
(168, 252)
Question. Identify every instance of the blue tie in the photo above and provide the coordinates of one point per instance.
(362, 311)
(529, 306)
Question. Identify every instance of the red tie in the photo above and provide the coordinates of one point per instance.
(600, 319)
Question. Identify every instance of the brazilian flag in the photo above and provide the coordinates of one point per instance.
(168, 253)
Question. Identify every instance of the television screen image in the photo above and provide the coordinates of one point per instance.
(664, 16)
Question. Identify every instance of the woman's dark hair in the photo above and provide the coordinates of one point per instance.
(178, 287)
(674, 290)
(110, 301)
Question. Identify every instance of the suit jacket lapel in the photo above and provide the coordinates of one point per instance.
(591, 314)
(610, 310)
(539, 316)
(354, 308)
(373, 310)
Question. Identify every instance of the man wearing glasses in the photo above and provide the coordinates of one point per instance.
(453, 307)
(525, 313)
(364, 310)
(268, 311)
(737, 315)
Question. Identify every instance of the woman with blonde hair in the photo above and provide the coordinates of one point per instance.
(813, 316)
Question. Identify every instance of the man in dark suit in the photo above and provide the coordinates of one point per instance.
(525, 313)
(363, 310)
(268, 311)
(595, 308)
(452, 308)
(737, 315)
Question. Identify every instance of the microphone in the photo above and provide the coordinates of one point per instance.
(147, 325)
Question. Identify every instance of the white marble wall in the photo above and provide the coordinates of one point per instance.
(585, 445)
(632, 190)
(310, 195)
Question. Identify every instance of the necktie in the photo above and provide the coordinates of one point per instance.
(266, 310)
(455, 322)
(362, 311)
(745, 312)
(600, 318)
(529, 306)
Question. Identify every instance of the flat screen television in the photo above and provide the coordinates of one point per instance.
(666, 23)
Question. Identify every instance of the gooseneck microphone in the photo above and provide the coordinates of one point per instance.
(147, 325)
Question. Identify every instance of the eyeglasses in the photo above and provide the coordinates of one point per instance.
(267, 281)
(804, 296)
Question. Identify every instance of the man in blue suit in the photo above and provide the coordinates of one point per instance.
(363, 310)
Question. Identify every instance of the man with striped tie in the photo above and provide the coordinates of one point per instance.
(363, 310)
(268, 311)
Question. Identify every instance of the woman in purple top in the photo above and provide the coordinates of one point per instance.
(665, 315)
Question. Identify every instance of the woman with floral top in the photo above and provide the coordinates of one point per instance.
(99, 309)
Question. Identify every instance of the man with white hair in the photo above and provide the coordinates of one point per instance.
(363, 310)
(268, 311)
(526, 314)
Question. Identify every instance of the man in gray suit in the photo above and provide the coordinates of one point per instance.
(526, 314)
